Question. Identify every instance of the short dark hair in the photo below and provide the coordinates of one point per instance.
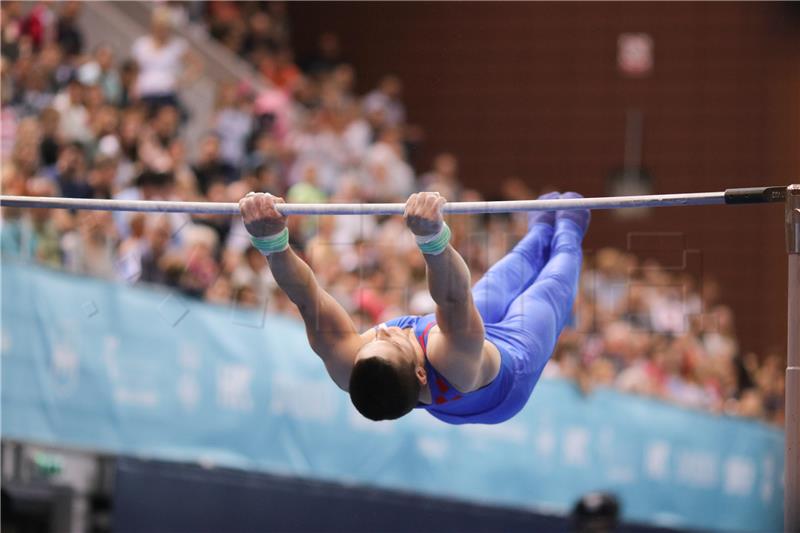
(381, 390)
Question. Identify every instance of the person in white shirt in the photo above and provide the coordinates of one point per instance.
(166, 62)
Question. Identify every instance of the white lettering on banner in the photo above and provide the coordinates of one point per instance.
(305, 400)
(740, 476)
(124, 394)
(656, 460)
(545, 443)
(616, 456)
(136, 398)
(576, 444)
(64, 369)
(188, 388)
(697, 469)
(233, 387)
(110, 345)
(65, 362)
(767, 484)
(188, 391)
(431, 447)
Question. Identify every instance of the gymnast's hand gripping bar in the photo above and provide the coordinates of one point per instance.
(729, 196)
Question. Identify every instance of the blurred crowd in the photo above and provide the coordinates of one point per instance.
(106, 123)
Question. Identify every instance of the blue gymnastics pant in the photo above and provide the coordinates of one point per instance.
(526, 298)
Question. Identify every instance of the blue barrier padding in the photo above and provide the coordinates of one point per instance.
(146, 372)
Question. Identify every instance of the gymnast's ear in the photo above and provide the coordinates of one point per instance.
(422, 376)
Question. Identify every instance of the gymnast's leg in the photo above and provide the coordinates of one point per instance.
(537, 316)
(514, 273)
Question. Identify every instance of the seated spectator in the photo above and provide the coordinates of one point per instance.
(327, 57)
(128, 76)
(68, 35)
(40, 25)
(155, 263)
(50, 142)
(37, 94)
(233, 123)
(89, 248)
(254, 273)
(210, 165)
(102, 176)
(443, 178)
(74, 122)
(70, 172)
(278, 67)
(107, 77)
(388, 176)
(149, 185)
(260, 34)
(383, 105)
(200, 267)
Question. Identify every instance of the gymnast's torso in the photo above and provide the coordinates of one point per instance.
(492, 403)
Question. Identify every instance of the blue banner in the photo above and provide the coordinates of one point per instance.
(143, 371)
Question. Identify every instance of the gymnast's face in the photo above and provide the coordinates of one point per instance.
(391, 344)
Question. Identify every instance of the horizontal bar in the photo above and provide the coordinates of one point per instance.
(621, 202)
(613, 202)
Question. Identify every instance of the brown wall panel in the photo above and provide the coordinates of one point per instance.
(531, 89)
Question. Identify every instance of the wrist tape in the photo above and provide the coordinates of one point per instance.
(272, 244)
(436, 243)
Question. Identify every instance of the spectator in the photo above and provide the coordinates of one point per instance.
(233, 123)
(443, 177)
(278, 67)
(129, 74)
(40, 24)
(210, 166)
(165, 63)
(74, 117)
(254, 273)
(70, 172)
(260, 35)
(155, 260)
(383, 105)
(201, 269)
(68, 35)
(109, 80)
(327, 57)
(50, 142)
(389, 176)
(89, 248)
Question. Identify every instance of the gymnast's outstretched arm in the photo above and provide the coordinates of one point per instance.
(448, 281)
(331, 332)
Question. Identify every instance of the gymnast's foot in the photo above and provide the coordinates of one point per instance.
(543, 217)
(580, 217)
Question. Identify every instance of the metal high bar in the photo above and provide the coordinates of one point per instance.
(729, 196)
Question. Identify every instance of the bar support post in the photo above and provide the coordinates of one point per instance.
(791, 507)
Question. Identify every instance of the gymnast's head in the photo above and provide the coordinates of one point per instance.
(387, 376)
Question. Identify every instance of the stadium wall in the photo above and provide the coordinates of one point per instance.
(532, 90)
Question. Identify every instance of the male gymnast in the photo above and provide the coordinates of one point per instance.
(479, 356)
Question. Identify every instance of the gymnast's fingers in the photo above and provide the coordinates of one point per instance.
(267, 207)
(246, 209)
(410, 204)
